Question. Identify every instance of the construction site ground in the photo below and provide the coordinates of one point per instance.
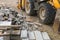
(45, 28)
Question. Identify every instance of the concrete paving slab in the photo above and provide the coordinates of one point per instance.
(38, 35)
(45, 36)
(23, 34)
(31, 35)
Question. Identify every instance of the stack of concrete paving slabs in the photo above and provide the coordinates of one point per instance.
(34, 35)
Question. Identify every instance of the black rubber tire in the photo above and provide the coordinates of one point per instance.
(49, 13)
(32, 12)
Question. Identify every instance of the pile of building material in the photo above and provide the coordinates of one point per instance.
(27, 30)
(10, 16)
(29, 35)
(34, 35)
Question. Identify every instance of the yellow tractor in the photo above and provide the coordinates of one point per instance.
(45, 9)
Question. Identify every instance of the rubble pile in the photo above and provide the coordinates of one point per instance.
(27, 30)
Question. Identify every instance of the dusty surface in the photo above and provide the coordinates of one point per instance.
(45, 28)
(52, 34)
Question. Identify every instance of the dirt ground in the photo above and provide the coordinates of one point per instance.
(45, 28)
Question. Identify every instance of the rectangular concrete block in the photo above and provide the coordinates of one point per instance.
(23, 34)
(45, 36)
(5, 23)
(31, 35)
(38, 35)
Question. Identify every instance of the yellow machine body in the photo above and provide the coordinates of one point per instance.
(21, 4)
(55, 3)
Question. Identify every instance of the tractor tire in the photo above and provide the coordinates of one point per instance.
(46, 13)
(29, 7)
